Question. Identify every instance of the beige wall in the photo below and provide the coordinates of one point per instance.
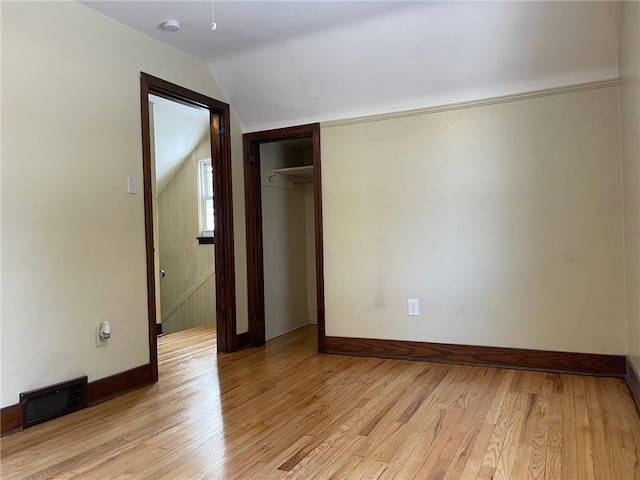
(189, 266)
(505, 221)
(72, 238)
(630, 127)
(284, 243)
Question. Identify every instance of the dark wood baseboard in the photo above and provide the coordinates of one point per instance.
(564, 362)
(103, 389)
(242, 340)
(159, 332)
(632, 380)
(10, 419)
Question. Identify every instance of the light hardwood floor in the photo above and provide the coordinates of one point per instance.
(286, 412)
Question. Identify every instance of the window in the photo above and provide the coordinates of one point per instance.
(205, 198)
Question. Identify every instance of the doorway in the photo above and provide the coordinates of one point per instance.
(183, 216)
(220, 148)
(303, 172)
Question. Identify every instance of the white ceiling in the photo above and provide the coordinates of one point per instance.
(177, 131)
(283, 63)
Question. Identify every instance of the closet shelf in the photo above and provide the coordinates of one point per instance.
(299, 172)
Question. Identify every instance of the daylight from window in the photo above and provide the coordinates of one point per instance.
(207, 222)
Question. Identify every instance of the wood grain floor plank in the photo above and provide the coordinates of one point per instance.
(514, 423)
(553, 388)
(539, 439)
(553, 463)
(584, 447)
(569, 447)
(602, 468)
(474, 462)
(460, 446)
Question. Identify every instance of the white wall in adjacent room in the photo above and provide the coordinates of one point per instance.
(284, 232)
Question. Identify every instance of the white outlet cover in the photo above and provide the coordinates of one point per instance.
(413, 306)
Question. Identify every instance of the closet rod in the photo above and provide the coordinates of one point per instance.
(304, 182)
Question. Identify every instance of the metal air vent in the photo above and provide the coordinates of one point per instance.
(54, 401)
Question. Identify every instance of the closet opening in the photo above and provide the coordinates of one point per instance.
(284, 233)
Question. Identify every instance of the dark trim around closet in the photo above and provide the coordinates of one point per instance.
(253, 209)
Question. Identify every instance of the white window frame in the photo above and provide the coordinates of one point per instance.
(203, 165)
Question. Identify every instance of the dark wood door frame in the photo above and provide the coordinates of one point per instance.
(253, 205)
(220, 125)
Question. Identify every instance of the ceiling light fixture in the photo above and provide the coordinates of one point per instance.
(213, 20)
(170, 26)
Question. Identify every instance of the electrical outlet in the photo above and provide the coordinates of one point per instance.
(100, 342)
(414, 306)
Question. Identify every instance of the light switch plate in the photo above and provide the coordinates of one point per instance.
(132, 184)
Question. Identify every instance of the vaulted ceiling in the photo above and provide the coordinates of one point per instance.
(177, 130)
(283, 63)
